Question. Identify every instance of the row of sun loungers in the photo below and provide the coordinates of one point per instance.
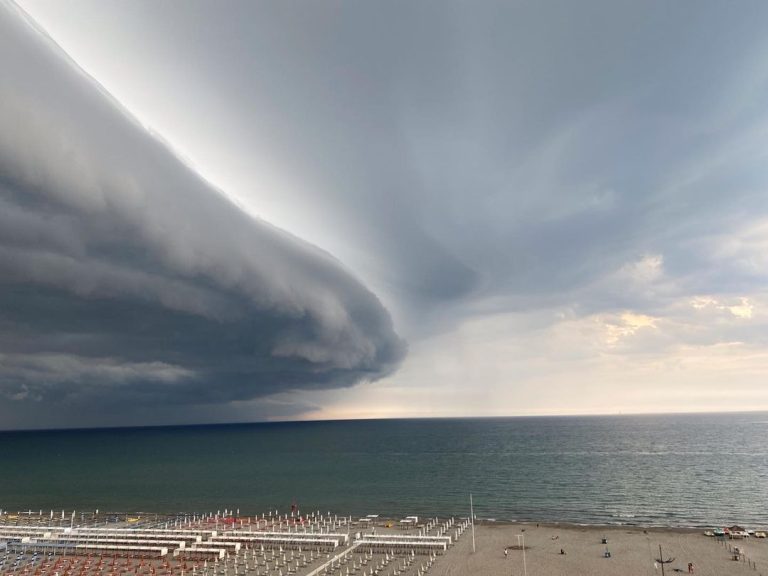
(340, 538)
(403, 544)
(200, 553)
(138, 551)
(162, 531)
(446, 539)
(336, 539)
(286, 542)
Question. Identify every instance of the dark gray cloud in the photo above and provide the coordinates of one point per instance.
(503, 175)
(126, 280)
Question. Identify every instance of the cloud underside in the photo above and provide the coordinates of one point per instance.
(126, 279)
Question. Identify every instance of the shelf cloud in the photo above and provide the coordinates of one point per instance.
(128, 280)
(561, 207)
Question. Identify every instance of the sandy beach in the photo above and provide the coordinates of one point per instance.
(279, 545)
(633, 552)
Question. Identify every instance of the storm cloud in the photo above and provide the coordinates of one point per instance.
(562, 206)
(128, 280)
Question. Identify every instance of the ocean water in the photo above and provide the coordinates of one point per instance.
(671, 470)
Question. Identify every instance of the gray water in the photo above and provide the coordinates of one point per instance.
(672, 470)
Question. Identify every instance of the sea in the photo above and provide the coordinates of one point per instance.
(694, 470)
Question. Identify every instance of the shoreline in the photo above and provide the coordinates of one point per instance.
(576, 525)
(479, 521)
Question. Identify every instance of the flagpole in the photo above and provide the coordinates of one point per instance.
(472, 519)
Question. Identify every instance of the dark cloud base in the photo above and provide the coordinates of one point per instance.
(127, 283)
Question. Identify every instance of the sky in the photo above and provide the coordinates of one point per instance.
(306, 210)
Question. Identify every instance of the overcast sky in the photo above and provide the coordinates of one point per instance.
(267, 210)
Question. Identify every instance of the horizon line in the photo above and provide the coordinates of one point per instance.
(375, 418)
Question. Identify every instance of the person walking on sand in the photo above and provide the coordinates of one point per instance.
(505, 551)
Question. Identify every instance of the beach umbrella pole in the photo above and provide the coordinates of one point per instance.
(472, 519)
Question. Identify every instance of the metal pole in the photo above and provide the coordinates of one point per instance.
(661, 558)
(525, 567)
(519, 536)
(472, 519)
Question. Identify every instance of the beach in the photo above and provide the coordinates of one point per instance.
(275, 544)
(633, 552)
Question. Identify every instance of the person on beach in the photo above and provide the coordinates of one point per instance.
(690, 567)
(505, 551)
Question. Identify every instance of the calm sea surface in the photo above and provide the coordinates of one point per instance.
(691, 470)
